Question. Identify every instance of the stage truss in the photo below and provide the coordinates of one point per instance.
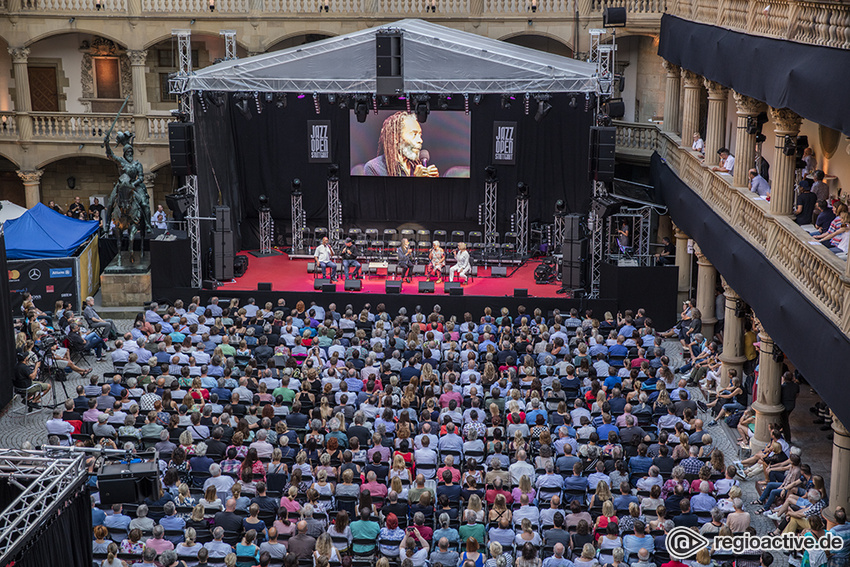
(334, 212)
(521, 226)
(266, 231)
(491, 189)
(595, 225)
(640, 219)
(51, 480)
(299, 223)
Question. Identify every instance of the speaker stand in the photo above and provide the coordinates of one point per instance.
(259, 254)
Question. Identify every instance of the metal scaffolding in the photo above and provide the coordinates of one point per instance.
(640, 228)
(52, 479)
(229, 44)
(334, 212)
(596, 226)
(266, 231)
(491, 189)
(521, 226)
(299, 223)
(187, 111)
(559, 232)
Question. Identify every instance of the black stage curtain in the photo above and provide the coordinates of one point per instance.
(809, 79)
(66, 538)
(818, 348)
(239, 159)
(7, 333)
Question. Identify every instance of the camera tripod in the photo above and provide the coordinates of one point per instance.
(50, 372)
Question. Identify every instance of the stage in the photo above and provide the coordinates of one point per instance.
(290, 275)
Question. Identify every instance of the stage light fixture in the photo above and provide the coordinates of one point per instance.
(264, 200)
(280, 100)
(423, 108)
(316, 103)
(443, 102)
(560, 206)
(466, 103)
(527, 102)
(385, 100)
(375, 104)
(361, 108)
(179, 203)
(241, 104)
(333, 171)
(202, 101)
(258, 103)
(506, 101)
(490, 174)
(522, 190)
(573, 102)
(478, 98)
(331, 98)
(215, 98)
(296, 187)
(543, 107)
(789, 148)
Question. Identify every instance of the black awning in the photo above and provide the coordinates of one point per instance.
(811, 80)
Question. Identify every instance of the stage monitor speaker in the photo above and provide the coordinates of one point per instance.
(601, 154)
(499, 271)
(264, 286)
(393, 286)
(613, 17)
(353, 285)
(426, 287)
(222, 218)
(209, 284)
(222, 255)
(181, 146)
(328, 288)
(319, 283)
(573, 267)
(449, 286)
(125, 483)
(418, 270)
(520, 292)
(240, 265)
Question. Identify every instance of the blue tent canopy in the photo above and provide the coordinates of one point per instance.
(41, 232)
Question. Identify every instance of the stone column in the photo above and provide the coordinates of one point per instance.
(839, 481)
(671, 97)
(32, 186)
(138, 58)
(732, 356)
(715, 136)
(23, 101)
(706, 284)
(745, 144)
(768, 404)
(786, 123)
(683, 262)
(150, 177)
(690, 106)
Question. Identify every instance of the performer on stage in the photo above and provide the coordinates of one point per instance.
(398, 149)
(324, 258)
(405, 260)
(437, 257)
(349, 259)
(463, 267)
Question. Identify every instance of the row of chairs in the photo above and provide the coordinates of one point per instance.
(375, 241)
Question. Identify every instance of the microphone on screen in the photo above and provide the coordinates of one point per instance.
(424, 156)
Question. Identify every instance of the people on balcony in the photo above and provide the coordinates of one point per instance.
(758, 184)
(805, 205)
(727, 162)
(699, 144)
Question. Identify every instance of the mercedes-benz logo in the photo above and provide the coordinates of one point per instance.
(34, 274)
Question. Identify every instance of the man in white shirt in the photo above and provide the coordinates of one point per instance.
(727, 162)
(62, 429)
(426, 455)
(323, 256)
(699, 144)
(159, 217)
(521, 468)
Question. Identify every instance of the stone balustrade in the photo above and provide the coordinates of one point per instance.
(812, 269)
(67, 126)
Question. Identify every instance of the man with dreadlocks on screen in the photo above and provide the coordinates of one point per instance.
(398, 149)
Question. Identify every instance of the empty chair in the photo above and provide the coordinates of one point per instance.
(475, 237)
(354, 233)
(510, 237)
(408, 234)
(373, 236)
(422, 235)
(390, 234)
(441, 235)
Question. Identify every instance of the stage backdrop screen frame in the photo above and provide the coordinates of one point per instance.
(445, 134)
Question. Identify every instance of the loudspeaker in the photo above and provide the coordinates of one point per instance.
(124, 483)
(613, 17)
(311, 267)
(319, 283)
(572, 227)
(222, 255)
(418, 270)
(601, 156)
(500, 271)
(209, 284)
(572, 268)
(388, 62)
(328, 288)
(393, 286)
(426, 287)
(264, 286)
(353, 285)
(240, 265)
(449, 286)
(222, 218)
(181, 146)
(519, 292)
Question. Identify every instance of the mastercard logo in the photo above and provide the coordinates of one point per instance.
(14, 274)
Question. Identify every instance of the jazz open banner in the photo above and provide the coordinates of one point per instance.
(47, 279)
(89, 269)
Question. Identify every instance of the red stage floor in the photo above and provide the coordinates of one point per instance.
(291, 275)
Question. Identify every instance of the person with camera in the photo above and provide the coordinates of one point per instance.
(24, 379)
(61, 357)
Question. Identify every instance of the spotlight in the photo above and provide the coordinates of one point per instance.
(202, 101)
(375, 104)
(443, 102)
(333, 171)
(361, 107)
(506, 101)
(258, 103)
(296, 186)
(543, 107)
(264, 201)
(215, 98)
(789, 149)
(331, 98)
(316, 103)
(301, 95)
(560, 206)
(466, 103)
(477, 99)
(423, 108)
(280, 100)
(527, 102)
(522, 190)
(573, 102)
(241, 104)
(268, 97)
(490, 174)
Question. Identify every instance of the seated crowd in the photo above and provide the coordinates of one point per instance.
(316, 437)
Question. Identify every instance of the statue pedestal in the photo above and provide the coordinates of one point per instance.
(123, 284)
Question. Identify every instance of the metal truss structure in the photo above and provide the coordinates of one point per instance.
(177, 84)
(51, 480)
(595, 225)
(229, 44)
(299, 223)
(266, 231)
(640, 219)
(491, 189)
(602, 55)
(521, 224)
(334, 212)
(559, 232)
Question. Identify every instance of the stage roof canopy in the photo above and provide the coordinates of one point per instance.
(435, 60)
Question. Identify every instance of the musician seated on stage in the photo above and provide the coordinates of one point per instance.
(462, 268)
(349, 259)
(436, 262)
(404, 254)
(324, 258)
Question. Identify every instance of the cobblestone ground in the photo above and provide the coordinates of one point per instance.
(16, 429)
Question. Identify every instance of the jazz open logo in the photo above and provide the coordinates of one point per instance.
(683, 542)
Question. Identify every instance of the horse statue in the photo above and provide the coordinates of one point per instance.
(128, 206)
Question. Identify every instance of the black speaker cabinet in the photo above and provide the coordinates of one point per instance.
(209, 284)
(222, 218)
(520, 292)
(320, 283)
(133, 482)
(426, 287)
(240, 265)
(393, 286)
(450, 287)
(328, 287)
(601, 155)
(181, 146)
(500, 271)
(353, 285)
(264, 286)
(222, 255)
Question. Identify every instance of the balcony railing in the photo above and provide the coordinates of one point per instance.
(67, 126)
(817, 23)
(814, 270)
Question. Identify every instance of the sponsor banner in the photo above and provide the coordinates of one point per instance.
(47, 279)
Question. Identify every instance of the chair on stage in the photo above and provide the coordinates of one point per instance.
(318, 234)
(410, 235)
(376, 245)
(507, 250)
(443, 237)
(423, 246)
(392, 246)
(475, 238)
(390, 234)
(458, 236)
(306, 235)
(355, 234)
(511, 237)
(423, 235)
